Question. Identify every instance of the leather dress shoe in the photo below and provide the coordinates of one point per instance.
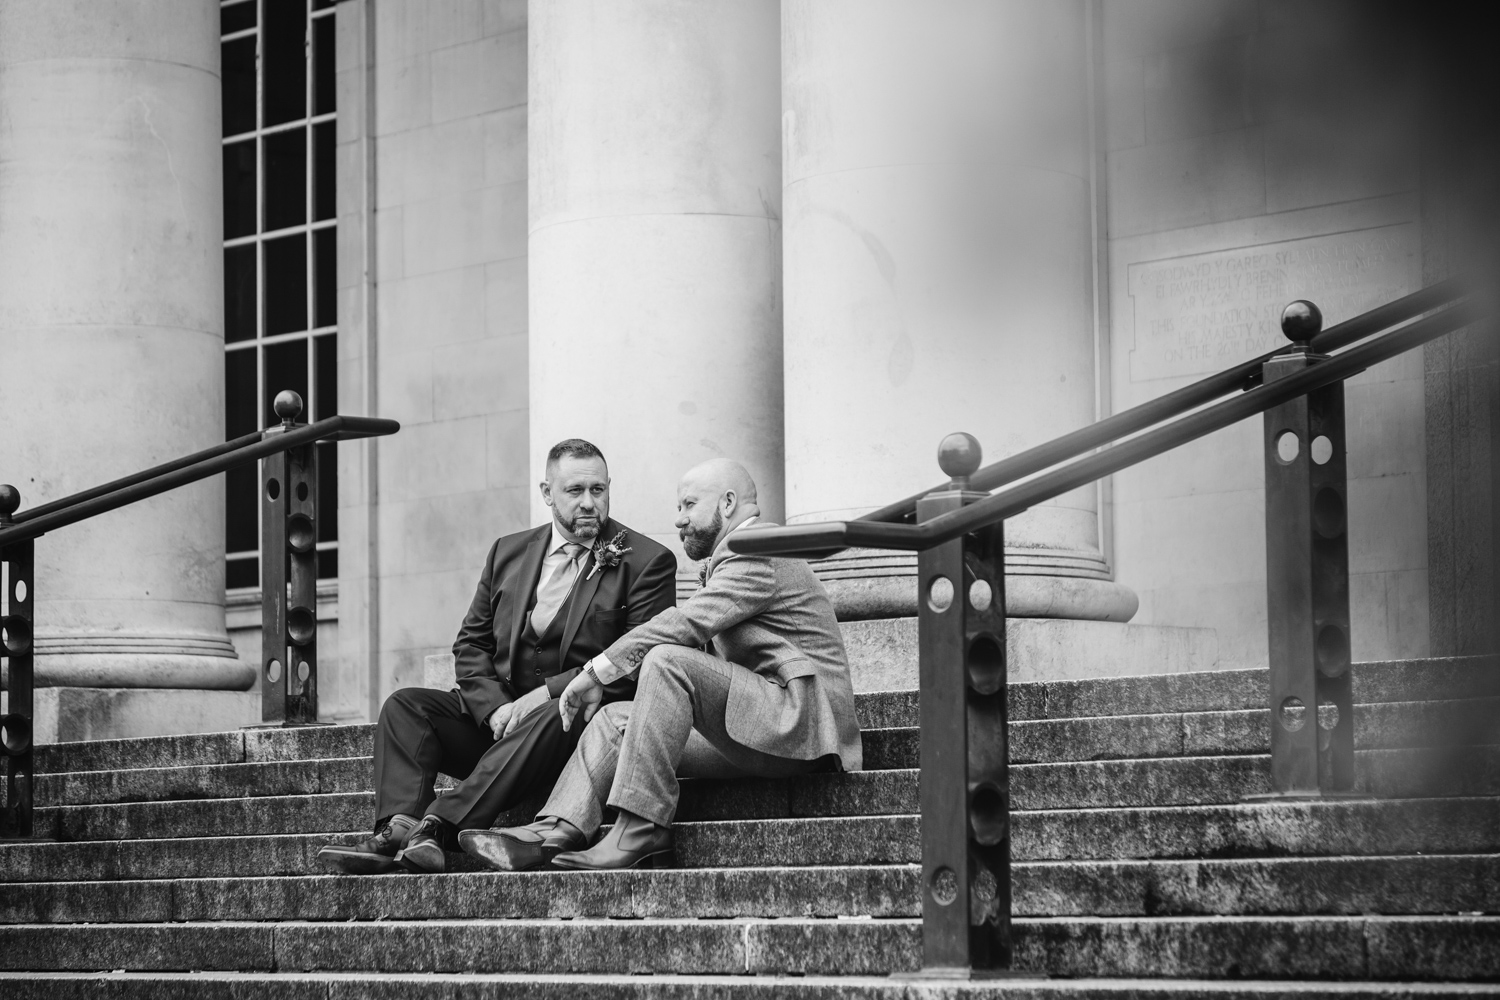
(376, 855)
(423, 853)
(521, 848)
(631, 843)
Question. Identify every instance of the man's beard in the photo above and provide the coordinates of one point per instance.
(698, 543)
(584, 531)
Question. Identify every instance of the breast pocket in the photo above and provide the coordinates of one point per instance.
(610, 617)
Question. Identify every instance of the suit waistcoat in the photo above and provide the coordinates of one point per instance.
(539, 657)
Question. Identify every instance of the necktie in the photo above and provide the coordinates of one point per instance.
(554, 590)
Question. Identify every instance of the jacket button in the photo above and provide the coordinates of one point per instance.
(539, 671)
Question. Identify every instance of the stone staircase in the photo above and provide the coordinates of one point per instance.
(183, 866)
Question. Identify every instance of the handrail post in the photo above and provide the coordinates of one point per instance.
(289, 577)
(1307, 576)
(17, 724)
(964, 755)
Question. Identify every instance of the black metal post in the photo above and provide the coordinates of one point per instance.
(1307, 576)
(18, 627)
(289, 577)
(965, 775)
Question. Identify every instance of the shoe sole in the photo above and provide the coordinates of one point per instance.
(427, 860)
(661, 859)
(357, 862)
(497, 851)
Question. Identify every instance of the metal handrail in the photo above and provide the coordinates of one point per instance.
(191, 468)
(1174, 404)
(64, 503)
(959, 539)
(824, 538)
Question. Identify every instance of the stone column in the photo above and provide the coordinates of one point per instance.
(655, 240)
(111, 331)
(939, 274)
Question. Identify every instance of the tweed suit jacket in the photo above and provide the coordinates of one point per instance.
(601, 609)
(772, 617)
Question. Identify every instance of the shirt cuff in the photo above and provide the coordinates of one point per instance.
(605, 672)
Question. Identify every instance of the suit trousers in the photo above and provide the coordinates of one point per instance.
(423, 732)
(632, 753)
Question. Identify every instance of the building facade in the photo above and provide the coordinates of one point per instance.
(815, 236)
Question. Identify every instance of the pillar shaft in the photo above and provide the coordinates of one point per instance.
(655, 239)
(111, 328)
(938, 273)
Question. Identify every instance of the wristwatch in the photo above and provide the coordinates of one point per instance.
(588, 668)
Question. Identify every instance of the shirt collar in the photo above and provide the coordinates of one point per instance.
(746, 522)
(558, 541)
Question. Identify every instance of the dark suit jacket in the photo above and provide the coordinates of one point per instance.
(602, 609)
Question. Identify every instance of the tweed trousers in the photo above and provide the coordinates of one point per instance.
(632, 753)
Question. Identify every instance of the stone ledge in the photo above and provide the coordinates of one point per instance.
(1337, 886)
(74, 714)
(883, 652)
(522, 986)
(1332, 947)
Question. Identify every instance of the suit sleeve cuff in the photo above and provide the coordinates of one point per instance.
(605, 672)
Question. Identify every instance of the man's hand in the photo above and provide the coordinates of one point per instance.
(528, 703)
(499, 717)
(582, 692)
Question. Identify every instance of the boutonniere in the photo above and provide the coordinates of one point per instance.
(607, 554)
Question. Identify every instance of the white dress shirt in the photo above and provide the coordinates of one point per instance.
(557, 557)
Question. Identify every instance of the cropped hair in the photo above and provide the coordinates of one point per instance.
(577, 448)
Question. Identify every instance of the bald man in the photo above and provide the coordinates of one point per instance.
(748, 678)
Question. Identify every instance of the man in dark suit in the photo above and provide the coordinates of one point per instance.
(549, 600)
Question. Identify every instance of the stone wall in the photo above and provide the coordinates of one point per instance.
(1258, 153)
(432, 188)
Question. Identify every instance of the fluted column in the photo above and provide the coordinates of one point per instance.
(111, 328)
(938, 274)
(655, 237)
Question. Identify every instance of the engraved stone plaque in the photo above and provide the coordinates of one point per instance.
(1202, 313)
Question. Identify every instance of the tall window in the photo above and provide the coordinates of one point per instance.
(280, 316)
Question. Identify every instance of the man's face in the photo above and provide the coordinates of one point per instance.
(578, 490)
(699, 520)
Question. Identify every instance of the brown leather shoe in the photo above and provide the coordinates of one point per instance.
(375, 855)
(633, 842)
(522, 848)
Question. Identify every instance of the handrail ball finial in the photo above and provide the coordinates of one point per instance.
(10, 500)
(287, 405)
(1301, 321)
(959, 456)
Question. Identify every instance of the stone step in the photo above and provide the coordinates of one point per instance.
(1210, 691)
(1085, 784)
(1237, 886)
(388, 986)
(1261, 829)
(1329, 947)
(1387, 725)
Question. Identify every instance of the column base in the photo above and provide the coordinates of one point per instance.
(883, 654)
(867, 583)
(70, 714)
(141, 661)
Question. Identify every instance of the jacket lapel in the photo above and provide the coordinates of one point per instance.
(526, 580)
(583, 596)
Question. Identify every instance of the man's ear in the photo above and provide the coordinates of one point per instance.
(729, 502)
(546, 489)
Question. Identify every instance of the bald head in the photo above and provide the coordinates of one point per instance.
(722, 475)
(712, 500)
